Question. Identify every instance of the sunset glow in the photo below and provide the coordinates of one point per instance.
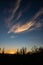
(11, 51)
(21, 32)
(21, 24)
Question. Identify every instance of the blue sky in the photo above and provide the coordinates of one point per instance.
(21, 23)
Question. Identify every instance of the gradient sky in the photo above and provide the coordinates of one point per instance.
(21, 23)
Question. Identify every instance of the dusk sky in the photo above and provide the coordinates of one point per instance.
(21, 23)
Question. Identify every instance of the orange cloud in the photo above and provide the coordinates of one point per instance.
(20, 28)
(24, 27)
(36, 26)
(29, 25)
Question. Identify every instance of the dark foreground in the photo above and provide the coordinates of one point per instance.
(25, 59)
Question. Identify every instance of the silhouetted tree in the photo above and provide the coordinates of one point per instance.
(34, 49)
(0, 50)
(3, 51)
(17, 51)
(23, 50)
(40, 49)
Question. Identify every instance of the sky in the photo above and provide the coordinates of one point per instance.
(21, 23)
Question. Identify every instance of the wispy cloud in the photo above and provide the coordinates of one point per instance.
(19, 15)
(36, 26)
(12, 36)
(20, 28)
(29, 25)
(9, 19)
(37, 14)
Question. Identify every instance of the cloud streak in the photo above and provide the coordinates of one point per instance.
(9, 19)
(19, 15)
(37, 14)
(20, 28)
(29, 25)
(36, 26)
(12, 36)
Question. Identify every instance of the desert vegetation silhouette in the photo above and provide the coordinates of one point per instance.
(22, 57)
